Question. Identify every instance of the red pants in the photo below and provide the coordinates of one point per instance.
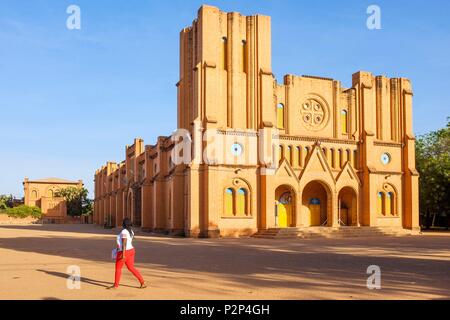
(129, 262)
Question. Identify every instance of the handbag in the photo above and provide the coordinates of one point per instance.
(114, 254)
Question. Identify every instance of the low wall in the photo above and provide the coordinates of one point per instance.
(5, 220)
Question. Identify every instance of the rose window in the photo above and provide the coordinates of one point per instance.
(313, 114)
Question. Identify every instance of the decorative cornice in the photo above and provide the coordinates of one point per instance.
(318, 78)
(380, 172)
(237, 133)
(314, 139)
(388, 144)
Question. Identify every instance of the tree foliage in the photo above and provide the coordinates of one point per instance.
(5, 202)
(24, 211)
(433, 164)
(77, 201)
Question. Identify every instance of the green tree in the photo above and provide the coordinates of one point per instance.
(5, 202)
(77, 201)
(433, 164)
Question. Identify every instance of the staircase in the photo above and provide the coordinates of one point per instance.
(329, 232)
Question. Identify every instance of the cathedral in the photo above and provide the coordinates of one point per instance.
(252, 154)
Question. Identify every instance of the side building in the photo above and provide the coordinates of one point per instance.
(42, 193)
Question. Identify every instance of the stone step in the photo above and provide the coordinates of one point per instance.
(327, 232)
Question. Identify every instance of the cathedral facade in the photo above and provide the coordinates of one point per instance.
(252, 154)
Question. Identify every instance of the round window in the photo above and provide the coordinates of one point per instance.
(236, 149)
(385, 158)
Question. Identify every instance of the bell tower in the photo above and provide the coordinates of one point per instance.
(225, 71)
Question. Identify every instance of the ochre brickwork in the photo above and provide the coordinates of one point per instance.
(302, 153)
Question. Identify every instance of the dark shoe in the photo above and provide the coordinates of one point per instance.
(143, 285)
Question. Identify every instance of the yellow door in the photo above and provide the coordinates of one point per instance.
(307, 216)
(315, 214)
(283, 212)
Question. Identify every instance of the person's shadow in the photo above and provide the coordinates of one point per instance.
(103, 284)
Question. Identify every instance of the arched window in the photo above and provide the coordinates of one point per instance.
(280, 153)
(333, 159)
(275, 156)
(349, 156)
(380, 203)
(244, 56)
(280, 116)
(50, 193)
(241, 202)
(341, 158)
(393, 203)
(34, 195)
(344, 122)
(299, 156)
(289, 154)
(229, 208)
(224, 53)
(325, 153)
(388, 205)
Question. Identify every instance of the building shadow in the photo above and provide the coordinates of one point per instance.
(410, 264)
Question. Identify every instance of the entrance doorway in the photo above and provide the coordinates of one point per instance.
(284, 207)
(315, 204)
(347, 207)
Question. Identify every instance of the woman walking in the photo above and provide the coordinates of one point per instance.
(125, 254)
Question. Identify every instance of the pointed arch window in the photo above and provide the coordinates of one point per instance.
(225, 53)
(280, 153)
(340, 158)
(280, 116)
(380, 203)
(289, 155)
(393, 203)
(229, 199)
(333, 158)
(244, 56)
(344, 121)
(241, 202)
(388, 205)
(299, 156)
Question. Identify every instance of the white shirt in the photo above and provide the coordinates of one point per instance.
(125, 234)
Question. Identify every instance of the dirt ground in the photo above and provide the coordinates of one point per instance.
(35, 259)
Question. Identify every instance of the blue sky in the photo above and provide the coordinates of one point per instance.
(72, 99)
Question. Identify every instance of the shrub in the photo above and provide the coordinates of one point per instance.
(24, 212)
